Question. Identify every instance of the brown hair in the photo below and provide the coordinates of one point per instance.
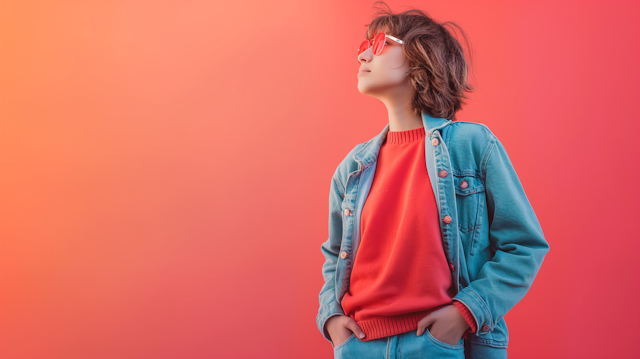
(438, 68)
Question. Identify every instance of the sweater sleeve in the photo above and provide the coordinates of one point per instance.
(466, 314)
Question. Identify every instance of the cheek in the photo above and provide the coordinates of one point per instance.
(396, 74)
(391, 77)
(397, 59)
(397, 66)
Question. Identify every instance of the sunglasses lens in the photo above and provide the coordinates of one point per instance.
(378, 43)
(363, 47)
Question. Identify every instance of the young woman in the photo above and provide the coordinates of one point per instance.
(431, 237)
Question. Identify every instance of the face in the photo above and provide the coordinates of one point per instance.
(384, 75)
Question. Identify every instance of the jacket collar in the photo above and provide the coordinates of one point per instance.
(369, 152)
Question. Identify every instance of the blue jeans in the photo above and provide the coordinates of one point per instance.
(401, 346)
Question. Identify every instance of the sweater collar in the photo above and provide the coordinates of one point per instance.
(369, 152)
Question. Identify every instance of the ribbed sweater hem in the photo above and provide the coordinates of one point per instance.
(392, 325)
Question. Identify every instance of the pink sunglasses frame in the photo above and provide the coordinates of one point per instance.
(372, 43)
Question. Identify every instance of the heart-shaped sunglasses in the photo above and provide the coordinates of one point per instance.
(377, 43)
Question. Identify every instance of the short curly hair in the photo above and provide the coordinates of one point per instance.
(438, 68)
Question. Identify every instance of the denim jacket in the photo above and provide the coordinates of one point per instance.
(491, 237)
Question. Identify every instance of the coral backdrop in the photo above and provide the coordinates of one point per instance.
(165, 169)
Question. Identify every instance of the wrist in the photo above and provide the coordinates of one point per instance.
(466, 315)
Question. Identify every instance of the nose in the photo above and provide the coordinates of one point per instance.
(365, 55)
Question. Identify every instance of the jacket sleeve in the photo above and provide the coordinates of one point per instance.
(516, 238)
(329, 306)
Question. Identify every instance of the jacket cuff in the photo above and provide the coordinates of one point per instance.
(478, 308)
(467, 315)
(326, 312)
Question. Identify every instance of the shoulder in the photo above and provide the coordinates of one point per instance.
(469, 136)
(469, 144)
(471, 131)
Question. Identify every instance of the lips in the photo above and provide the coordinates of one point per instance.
(364, 70)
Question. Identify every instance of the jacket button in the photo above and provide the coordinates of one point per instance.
(451, 266)
(447, 219)
(442, 173)
(344, 255)
(434, 142)
(486, 327)
(464, 184)
(347, 212)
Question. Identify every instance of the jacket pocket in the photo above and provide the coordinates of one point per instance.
(470, 200)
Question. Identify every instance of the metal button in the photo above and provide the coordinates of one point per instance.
(344, 255)
(464, 184)
(434, 142)
(486, 327)
(447, 219)
(451, 266)
(442, 173)
(347, 212)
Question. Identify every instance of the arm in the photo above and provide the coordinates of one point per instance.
(515, 236)
(329, 305)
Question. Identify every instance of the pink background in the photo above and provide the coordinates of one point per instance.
(165, 169)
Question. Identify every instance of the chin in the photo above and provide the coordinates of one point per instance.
(365, 90)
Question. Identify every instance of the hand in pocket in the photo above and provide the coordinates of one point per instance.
(446, 325)
(340, 328)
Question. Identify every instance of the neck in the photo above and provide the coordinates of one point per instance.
(402, 119)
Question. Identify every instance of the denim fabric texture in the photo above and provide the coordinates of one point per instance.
(493, 240)
(406, 346)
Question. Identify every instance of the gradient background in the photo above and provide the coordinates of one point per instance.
(165, 169)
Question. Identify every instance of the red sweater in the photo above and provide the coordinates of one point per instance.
(400, 273)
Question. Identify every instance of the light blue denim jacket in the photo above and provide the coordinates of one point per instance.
(493, 240)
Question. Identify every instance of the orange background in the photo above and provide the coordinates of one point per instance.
(165, 169)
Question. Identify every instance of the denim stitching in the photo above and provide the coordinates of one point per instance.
(388, 345)
(341, 189)
(443, 344)
(345, 342)
(468, 229)
(485, 158)
(483, 303)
